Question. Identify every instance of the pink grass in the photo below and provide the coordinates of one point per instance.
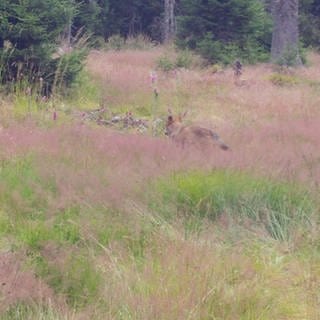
(271, 130)
(100, 166)
(123, 75)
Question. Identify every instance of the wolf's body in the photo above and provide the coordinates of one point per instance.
(192, 134)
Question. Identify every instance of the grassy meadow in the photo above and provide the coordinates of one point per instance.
(103, 222)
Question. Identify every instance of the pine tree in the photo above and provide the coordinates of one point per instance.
(224, 30)
(132, 17)
(309, 22)
(29, 30)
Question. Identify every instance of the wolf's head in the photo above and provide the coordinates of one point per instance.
(173, 125)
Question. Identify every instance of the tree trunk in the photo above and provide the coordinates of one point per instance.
(169, 20)
(285, 36)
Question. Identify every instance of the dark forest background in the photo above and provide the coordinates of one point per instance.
(35, 34)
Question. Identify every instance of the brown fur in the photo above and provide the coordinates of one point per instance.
(192, 134)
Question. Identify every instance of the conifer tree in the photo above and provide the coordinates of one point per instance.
(224, 30)
(29, 31)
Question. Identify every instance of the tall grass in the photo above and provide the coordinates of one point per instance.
(279, 207)
(33, 311)
(137, 264)
(107, 225)
(207, 95)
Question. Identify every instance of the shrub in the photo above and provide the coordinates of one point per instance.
(290, 57)
(181, 59)
(115, 42)
(139, 42)
(184, 59)
(165, 63)
(84, 92)
(280, 79)
(29, 47)
(66, 69)
(227, 53)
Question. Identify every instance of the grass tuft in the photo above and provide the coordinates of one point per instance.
(278, 206)
(31, 311)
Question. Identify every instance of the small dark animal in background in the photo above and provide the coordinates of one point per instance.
(237, 68)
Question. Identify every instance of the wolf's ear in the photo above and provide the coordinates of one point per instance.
(181, 116)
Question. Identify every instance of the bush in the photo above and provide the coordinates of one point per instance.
(66, 69)
(115, 42)
(181, 59)
(165, 63)
(227, 53)
(139, 42)
(280, 79)
(184, 59)
(29, 49)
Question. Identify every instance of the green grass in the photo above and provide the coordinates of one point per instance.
(121, 264)
(22, 187)
(199, 244)
(32, 311)
(77, 279)
(24, 203)
(84, 93)
(278, 206)
(25, 222)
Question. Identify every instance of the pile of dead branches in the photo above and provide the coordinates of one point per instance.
(103, 116)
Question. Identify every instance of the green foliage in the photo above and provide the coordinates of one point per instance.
(63, 229)
(309, 23)
(67, 68)
(281, 79)
(223, 31)
(76, 278)
(5, 223)
(18, 180)
(216, 51)
(171, 61)
(116, 42)
(84, 92)
(26, 104)
(184, 59)
(289, 57)
(102, 261)
(31, 311)
(29, 51)
(79, 281)
(25, 197)
(165, 63)
(139, 42)
(130, 18)
(277, 206)
(90, 16)
(32, 234)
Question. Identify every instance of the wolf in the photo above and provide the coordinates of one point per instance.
(192, 134)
